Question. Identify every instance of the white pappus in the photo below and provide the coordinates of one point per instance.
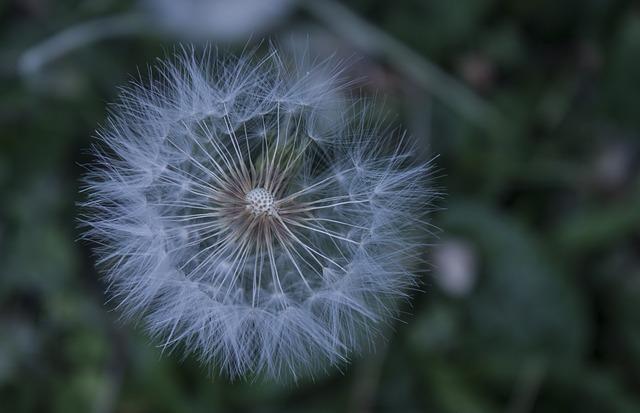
(250, 215)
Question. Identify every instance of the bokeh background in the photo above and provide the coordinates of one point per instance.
(532, 302)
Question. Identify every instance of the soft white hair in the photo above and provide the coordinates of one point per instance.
(249, 213)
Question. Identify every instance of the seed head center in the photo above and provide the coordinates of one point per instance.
(260, 201)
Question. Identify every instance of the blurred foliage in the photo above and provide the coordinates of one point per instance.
(546, 204)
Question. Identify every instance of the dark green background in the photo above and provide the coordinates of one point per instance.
(546, 201)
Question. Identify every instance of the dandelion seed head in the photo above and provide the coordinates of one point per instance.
(251, 215)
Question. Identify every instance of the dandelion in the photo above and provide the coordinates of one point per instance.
(251, 216)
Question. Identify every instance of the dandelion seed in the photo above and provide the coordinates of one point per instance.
(245, 219)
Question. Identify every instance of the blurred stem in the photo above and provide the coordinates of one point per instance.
(367, 381)
(75, 37)
(114, 373)
(526, 389)
(376, 42)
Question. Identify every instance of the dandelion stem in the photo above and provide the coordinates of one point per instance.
(430, 77)
(75, 37)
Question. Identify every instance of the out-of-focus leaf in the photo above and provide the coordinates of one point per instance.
(523, 306)
(599, 226)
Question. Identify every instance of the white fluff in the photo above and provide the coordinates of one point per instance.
(249, 215)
